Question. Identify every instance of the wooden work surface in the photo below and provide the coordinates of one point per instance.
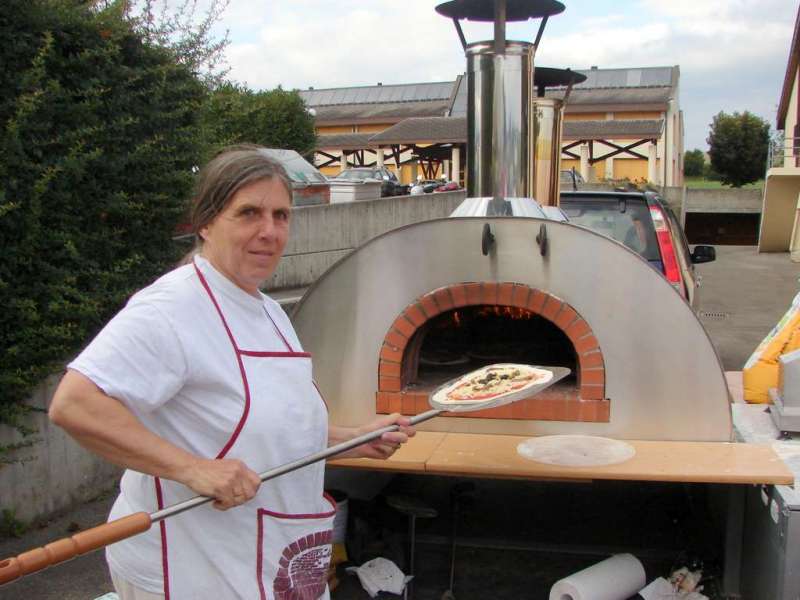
(412, 456)
(495, 456)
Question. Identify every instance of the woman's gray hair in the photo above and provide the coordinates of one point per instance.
(225, 174)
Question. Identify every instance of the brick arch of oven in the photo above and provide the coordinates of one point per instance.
(400, 349)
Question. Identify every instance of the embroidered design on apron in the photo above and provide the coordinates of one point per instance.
(259, 549)
(302, 568)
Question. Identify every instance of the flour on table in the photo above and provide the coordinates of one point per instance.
(576, 450)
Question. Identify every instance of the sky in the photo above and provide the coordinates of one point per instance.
(732, 53)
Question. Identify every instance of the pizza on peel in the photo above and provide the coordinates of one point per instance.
(491, 382)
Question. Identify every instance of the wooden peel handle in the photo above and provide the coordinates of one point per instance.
(67, 548)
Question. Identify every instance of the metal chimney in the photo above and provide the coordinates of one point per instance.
(500, 77)
(547, 118)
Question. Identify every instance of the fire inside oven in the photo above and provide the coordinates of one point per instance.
(469, 337)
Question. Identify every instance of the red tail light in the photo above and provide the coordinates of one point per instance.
(668, 257)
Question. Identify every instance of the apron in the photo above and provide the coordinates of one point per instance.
(278, 545)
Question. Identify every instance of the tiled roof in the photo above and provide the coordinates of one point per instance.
(424, 130)
(379, 112)
(344, 141)
(612, 129)
(378, 94)
(614, 96)
(635, 77)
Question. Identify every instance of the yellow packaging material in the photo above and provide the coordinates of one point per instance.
(761, 370)
(339, 553)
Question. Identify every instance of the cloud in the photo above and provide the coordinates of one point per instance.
(356, 44)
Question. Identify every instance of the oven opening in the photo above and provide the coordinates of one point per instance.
(467, 338)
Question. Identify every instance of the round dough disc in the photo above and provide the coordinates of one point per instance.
(576, 450)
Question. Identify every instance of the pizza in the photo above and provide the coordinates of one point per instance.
(492, 381)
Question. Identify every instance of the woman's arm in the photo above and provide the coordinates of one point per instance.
(383, 447)
(105, 426)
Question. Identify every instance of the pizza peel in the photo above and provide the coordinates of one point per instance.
(95, 538)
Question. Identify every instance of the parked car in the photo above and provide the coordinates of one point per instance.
(449, 186)
(390, 185)
(309, 186)
(428, 186)
(644, 223)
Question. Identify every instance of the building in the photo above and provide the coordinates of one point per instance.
(629, 122)
(779, 230)
(619, 124)
(347, 118)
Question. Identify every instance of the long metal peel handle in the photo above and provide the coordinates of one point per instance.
(299, 463)
(70, 547)
(108, 533)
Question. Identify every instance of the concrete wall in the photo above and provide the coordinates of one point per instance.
(724, 201)
(779, 207)
(321, 235)
(54, 473)
(674, 197)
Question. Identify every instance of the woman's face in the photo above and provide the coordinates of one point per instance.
(246, 240)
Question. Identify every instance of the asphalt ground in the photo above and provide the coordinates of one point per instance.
(743, 295)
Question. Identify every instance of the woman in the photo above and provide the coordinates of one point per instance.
(198, 384)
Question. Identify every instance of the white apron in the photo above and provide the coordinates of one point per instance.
(278, 545)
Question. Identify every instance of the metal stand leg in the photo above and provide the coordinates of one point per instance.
(734, 537)
(413, 508)
(412, 529)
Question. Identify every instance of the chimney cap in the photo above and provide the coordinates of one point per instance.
(483, 10)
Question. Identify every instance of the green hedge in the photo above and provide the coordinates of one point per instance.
(98, 138)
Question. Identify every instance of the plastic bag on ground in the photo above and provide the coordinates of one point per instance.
(381, 575)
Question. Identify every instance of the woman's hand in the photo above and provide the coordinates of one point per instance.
(229, 481)
(381, 448)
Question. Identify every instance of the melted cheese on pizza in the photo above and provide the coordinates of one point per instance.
(493, 381)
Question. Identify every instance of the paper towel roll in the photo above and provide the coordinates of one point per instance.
(615, 578)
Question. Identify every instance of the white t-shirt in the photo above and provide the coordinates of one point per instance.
(168, 358)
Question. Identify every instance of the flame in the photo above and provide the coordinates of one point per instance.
(456, 318)
(511, 312)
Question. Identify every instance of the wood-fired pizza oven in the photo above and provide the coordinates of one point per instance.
(422, 304)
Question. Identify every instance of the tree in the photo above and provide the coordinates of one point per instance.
(275, 118)
(694, 163)
(178, 27)
(738, 146)
(98, 138)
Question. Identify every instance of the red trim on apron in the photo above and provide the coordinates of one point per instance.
(246, 410)
(264, 511)
(260, 558)
(325, 402)
(257, 354)
(163, 527)
(286, 343)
